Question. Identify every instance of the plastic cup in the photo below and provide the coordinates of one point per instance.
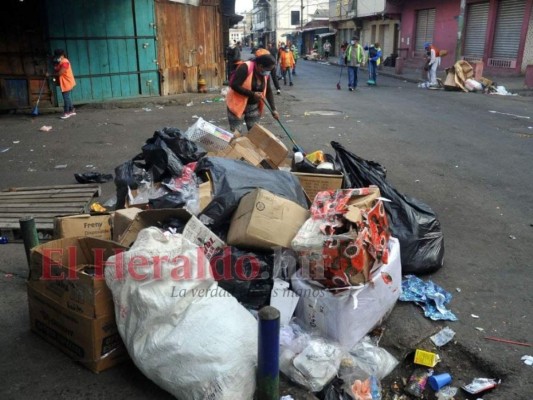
(439, 381)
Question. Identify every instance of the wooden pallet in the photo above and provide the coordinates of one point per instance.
(44, 203)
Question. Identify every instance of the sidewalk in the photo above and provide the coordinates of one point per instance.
(513, 84)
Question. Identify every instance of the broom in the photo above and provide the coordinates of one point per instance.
(340, 76)
(35, 111)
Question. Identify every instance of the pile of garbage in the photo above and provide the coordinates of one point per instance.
(316, 236)
(460, 77)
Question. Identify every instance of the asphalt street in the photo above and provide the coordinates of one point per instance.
(468, 156)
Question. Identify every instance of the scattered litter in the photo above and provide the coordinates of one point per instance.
(503, 92)
(16, 141)
(98, 208)
(418, 381)
(479, 329)
(189, 104)
(512, 115)
(31, 170)
(160, 107)
(4, 149)
(528, 360)
(61, 166)
(447, 393)
(288, 397)
(331, 127)
(443, 337)
(45, 128)
(458, 290)
(9, 276)
(31, 149)
(417, 180)
(195, 117)
(431, 297)
(147, 109)
(479, 385)
(92, 177)
(474, 316)
(426, 358)
(89, 166)
(512, 237)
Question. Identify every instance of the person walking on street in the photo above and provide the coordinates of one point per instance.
(295, 54)
(354, 59)
(287, 64)
(248, 91)
(65, 79)
(327, 49)
(432, 63)
(374, 59)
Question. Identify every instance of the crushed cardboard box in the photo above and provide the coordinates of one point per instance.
(263, 221)
(122, 219)
(71, 272)
(94, 342)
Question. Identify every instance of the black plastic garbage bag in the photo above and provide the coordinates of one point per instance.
(128, 175)
(169, 200)
(233, 179)
(161, 160)
(247, 275)
(186, 150)
(92, 177)
(413, 222)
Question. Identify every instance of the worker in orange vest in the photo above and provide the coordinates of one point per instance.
(286, 59)
(64, 78)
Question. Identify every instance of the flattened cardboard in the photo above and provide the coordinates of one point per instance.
(70, 271)
(314, 183)
(269, 143)
(122, 219)
(94, 342)
(263, 220)
(205, 192)
(244, 150)
(98, 226)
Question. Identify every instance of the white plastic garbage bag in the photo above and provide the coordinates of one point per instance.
(185, 333)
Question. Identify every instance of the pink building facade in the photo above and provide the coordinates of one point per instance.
(495, 32)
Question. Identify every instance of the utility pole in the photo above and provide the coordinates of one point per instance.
(301, 27)
(460, 31)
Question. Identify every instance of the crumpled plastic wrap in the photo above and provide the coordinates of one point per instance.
(428, 295)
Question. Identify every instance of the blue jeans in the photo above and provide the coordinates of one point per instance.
(284, 73)
(372, 68)
(352, 77)
(67, 102)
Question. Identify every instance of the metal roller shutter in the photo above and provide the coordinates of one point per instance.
(508, 28)
(476, 30)
(425, 24)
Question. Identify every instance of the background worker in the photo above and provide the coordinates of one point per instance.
(274, 74)
(65, 79)
(295, 54)
(286, 60)
(374, 59)
(249, 88)
(354, 59)
(432, 63)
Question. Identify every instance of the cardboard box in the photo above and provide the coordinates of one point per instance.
(347, 316)
(314, 183)
(194, 230)
(244, 150)
(98, 226)
(263, 220)
(122, 219)
(94, 342)
(269, 143)
(70, 271)
(205, 192)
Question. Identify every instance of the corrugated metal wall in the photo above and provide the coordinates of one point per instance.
(189, 43)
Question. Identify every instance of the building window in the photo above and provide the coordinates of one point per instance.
(295, 17)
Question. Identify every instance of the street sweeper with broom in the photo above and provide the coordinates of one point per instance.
(64, 78)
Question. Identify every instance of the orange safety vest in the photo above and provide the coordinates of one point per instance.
(437, 52)
(66, 80)
(286, 59)
(236, 102)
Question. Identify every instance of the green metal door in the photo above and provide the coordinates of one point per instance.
(110, 44)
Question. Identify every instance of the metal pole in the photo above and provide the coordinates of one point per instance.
(460, 31)
(268, 355)
(29, 235)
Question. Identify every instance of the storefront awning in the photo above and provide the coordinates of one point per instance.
(323, 35)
